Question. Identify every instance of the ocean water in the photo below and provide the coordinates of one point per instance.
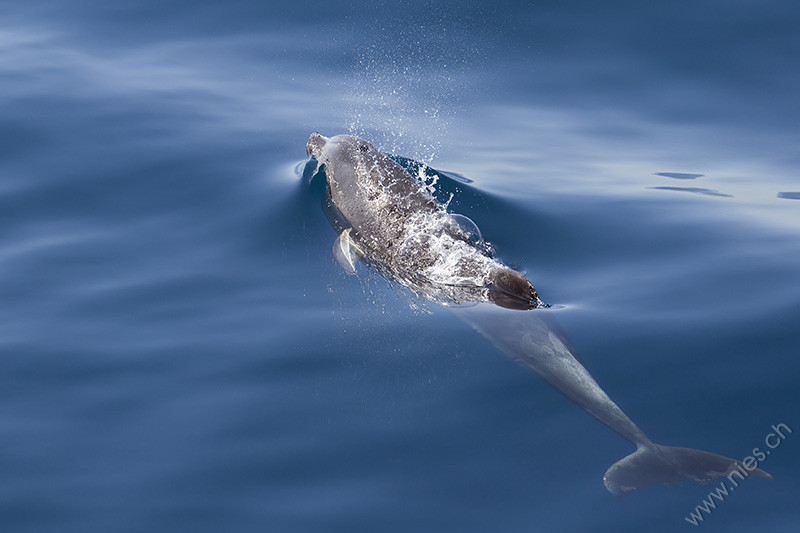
(180, 352)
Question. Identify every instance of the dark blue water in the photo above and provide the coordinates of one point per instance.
(180, 352)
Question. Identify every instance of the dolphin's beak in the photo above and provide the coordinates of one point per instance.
(315, 144)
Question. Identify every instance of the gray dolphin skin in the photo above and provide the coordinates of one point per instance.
(390, 219)
(387, 218)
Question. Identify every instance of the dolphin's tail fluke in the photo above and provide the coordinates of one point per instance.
(652, 463)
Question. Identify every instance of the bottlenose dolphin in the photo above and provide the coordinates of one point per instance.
(388, 219)
(391, 220)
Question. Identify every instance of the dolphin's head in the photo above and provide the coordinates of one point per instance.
(340, 147)
(315, 145)
(349, 147)
(342, 155)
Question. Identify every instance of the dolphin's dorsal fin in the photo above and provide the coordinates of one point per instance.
(346, 252)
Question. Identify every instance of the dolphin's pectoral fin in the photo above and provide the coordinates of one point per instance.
(346, 252)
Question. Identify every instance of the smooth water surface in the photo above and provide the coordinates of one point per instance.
(180, 352)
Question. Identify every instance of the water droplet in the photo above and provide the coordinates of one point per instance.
(470, 229)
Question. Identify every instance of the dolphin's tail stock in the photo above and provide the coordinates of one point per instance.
(652, 463)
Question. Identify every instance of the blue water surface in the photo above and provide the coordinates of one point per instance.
(180, 352)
